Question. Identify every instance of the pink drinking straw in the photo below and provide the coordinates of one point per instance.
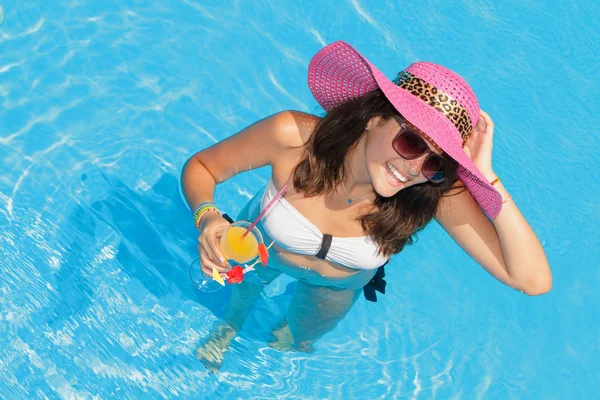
(264, 211)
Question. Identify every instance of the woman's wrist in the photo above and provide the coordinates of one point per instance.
(496, 182)
(489, 175)
(208, 215)
(202, 209)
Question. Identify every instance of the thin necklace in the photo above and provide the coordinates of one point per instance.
(357, 198)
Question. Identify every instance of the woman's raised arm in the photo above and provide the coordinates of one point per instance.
(506, 247)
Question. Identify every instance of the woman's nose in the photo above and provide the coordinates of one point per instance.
(414, 166)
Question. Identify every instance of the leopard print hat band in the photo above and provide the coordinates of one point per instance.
(439, 100)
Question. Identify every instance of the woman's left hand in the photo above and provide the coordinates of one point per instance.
(480, 143)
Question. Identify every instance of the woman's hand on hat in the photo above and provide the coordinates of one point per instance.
(480, 143)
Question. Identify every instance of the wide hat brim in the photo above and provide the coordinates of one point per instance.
(338, 73)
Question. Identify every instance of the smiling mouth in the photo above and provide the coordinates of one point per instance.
(395, 173)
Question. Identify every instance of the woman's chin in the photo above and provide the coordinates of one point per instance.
(384, 189)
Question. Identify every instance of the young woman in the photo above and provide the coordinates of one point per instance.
(386, 159)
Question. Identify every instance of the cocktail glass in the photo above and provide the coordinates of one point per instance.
(234, 248)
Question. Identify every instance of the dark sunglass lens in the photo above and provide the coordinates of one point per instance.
(409, 144)
(433, 168)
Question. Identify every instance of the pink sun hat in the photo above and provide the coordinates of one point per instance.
(433, 98)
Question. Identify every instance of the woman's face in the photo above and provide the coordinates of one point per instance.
(389, 172)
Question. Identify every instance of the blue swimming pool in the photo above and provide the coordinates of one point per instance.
(103, 101)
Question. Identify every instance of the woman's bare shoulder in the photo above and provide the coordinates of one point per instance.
(294, 130)
(295, 127)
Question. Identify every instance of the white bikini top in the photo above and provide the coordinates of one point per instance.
(293, 232)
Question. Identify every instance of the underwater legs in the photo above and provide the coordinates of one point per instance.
(314, 311)
(212, 350)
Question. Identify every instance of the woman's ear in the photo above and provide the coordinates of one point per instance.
(371, 123)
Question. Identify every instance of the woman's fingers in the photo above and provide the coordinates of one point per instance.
(208, 265)
(210, 261)
(215, 250)
(489, 124)
(481, 125)
(206, 271)
(210, 251)
(211, 246)
(485, 116)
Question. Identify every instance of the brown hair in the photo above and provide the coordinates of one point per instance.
(394, 221)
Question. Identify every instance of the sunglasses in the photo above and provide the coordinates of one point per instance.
(410, 146)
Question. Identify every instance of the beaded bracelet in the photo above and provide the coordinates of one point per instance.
(199, 206)
(200, 213)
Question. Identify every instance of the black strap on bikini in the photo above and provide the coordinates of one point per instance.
(376, 284)
(325, 245)
(227, 218)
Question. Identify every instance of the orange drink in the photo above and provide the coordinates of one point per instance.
(246, 248)
(235, 248)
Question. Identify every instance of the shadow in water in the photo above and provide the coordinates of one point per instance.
(158, 242)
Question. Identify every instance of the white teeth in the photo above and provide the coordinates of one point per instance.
(396, 173)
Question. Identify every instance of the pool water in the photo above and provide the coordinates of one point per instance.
(102, 102)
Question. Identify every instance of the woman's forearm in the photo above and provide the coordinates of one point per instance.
(524, 256)
(197, 183)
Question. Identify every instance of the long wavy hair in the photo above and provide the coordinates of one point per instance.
(393, 221)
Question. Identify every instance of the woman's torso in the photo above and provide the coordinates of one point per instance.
(329, 213)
